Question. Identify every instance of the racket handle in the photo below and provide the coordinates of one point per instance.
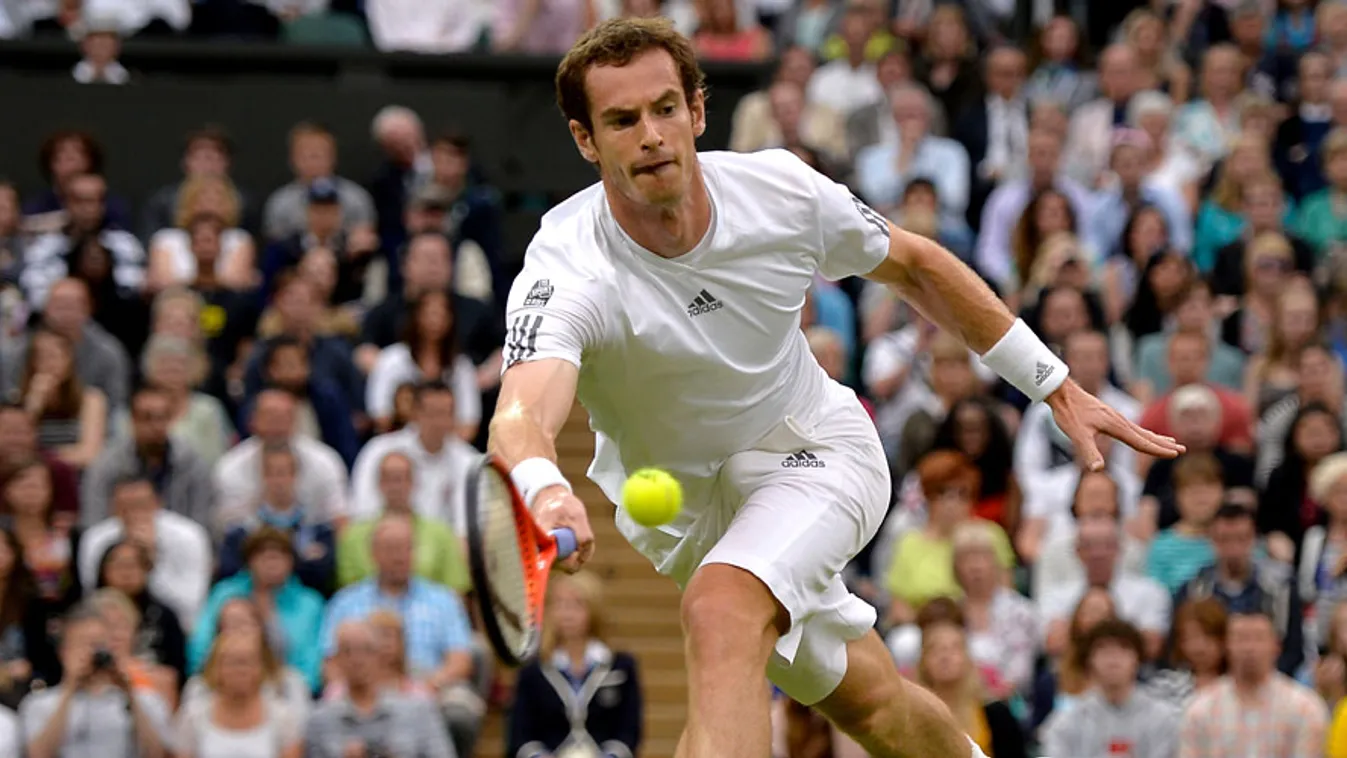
(566, 544)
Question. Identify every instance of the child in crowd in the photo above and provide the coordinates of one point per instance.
(1179, 552)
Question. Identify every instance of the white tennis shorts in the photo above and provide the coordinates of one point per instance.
(793, 512)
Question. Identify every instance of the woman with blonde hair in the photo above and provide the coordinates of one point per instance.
(1274, 374)
(236, 719)
(1162, 68)
(579, 695)
(171, 257)
(280, 683)
(948, 671)
(1269, 271)
(1220, 218)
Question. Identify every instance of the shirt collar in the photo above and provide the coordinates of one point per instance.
(596, 653)
(1316, 113)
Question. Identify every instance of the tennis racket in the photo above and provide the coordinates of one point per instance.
(510, 558)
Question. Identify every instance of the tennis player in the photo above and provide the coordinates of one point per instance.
(668, 297)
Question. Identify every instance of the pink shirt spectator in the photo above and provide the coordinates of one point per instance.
(557, 25)
(1287, 721)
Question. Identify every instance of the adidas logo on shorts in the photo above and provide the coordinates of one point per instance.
(704, 303)
(802, 459)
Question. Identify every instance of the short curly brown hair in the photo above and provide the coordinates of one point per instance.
(617, 43)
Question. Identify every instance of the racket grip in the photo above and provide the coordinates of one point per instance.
(566, 543)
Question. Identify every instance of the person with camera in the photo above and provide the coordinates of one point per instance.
(95, 712)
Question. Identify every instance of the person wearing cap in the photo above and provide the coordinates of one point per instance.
(1129, 189)
(313, 156)
(101, 43)
(325, 226)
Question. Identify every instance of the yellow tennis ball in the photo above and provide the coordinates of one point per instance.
(652, 497)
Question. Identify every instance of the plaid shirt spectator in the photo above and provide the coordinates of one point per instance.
(436, 621)
(1287, 721)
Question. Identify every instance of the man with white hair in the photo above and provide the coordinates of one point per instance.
(401, 137)
(883, 170)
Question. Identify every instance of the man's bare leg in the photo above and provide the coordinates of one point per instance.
(889, 716)
(731, 621)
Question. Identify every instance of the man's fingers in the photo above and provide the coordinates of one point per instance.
(1138, 438)
(1087, 452)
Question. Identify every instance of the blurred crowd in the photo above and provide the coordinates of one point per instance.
(238, 417)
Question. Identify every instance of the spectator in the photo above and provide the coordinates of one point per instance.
(1178, 552)
(313, 156)
(1055, 562)
(393, 675)
(1275, 373)
(177, 367)
(722, 37)
(1243, 585)
(1115, 716)
(1193, 315)
(438, 550)
(1140, 601)
(1209, 125)
(883, 170)
(1319, 220)
(1264, 70)
(172, 258)
(1001, 626)
(320, 403)
(47, 259)
(237, 713)
(18, 445)
(312, 541)
(1323, 552)
(283, 683)
(1164, 279)
(1303, 131)
(1128, 189)
(179, 547)
(850, 82)
(439, 641)
(70, 417)
(158, 640)
(324, 228)
(1060, 75)
(1197, 656)
(549, 27)
(1189, 359)
(181, 478)
(407, 164)
(1048, 214)
(947, 65)
(100, 43)
(322, 475)
(1160, 65)
(1284, 510)
(476, 217)
(427, 266)
(545, 719)
(1168, 164)
(48, 541)
(207, 152)
(64, 157)
(122, 620)
(996, 130)
(1253, 709)
(95, 710)
(975, 428)
(1061, 687)
(1221, 218)
(428, 351)
(872, 123)
(1087, 147)
(1321, 383)
(375, 720)
(947, 670)
(417, 26)
(756, 125)
(26, 652)
(1269, 271)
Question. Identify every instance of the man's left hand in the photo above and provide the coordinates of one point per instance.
(1081, 416)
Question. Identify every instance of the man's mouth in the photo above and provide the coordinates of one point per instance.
(653, 167)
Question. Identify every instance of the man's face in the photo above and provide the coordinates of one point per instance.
(313, 156)
(101, 48)
(435, 414)
(1087, 358)
(450, 164)
(1315, 74)
(1246, 29)
(18, 437)
(797, 66)
(427, 267)
(85, 201)
(67, 308)
(324, 219)
(1097, 547)
(278, 479)
(1221, 73)
(787, 107)
(1318, 379)
(644, 135)
(205, 157)
(1187, 360)
(1045, 150)
(1233, 542)
(1118, 73)
(1198, 428)
(358, 654)
(1337, 98)
(395, 480)
(289, 368)
(151, 417)
(1252, 646)
(298, 307)
(856, 29)
(392, 550)
(1129, 165)
(401, 140)
(274, 417)
(1005, 73)
(1264, 206)
(1194, 313)
(911, 113)
(1096, 498)
(1113, 664)
(135, 503)
(1064, 314)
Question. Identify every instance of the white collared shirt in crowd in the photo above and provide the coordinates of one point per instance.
(437, 478)
(321, 483)
(1007, 138)
(183, 561)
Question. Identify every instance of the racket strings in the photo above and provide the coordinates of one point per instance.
(510, 586)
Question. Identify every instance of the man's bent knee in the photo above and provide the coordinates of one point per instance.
(728, 613)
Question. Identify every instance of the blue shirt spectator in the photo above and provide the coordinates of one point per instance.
(883, 170)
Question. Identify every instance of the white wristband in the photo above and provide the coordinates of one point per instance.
(535, 475)
(1022, 359)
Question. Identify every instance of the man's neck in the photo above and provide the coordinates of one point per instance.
(1038, 183)
(667, 232)
(1117, 695)
(856, 58)
(1234, 573)
(363, 696)
(1250, 686)
(432, 445)
(393, 588)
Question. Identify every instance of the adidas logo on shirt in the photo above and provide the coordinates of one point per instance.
(704, 303)
(802, 459)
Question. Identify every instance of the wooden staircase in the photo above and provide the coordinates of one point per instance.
(640, 613)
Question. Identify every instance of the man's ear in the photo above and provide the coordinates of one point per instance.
(584, 141)
(698, 110)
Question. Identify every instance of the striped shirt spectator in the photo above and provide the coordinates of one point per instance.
(1179, 552)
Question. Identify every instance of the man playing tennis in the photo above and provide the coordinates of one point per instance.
(668, 297)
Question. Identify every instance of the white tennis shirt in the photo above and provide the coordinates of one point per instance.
(686, 361)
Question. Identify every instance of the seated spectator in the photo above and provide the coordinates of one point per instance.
(1144, 233)
(1284, 509)
(439, 645)
(96, 710)
(1254, 710)
(392, 673)
(427, 266)
(919, 212)
(1189, 358)
(848, 83)
(71, 418)
(179, 547)
(1263, 204)
(47, 257)
(237, 712)
(171, 259)
(883, 170)
(369, 716)
(1061, 75)
(922, 565)
(1001, 625)
(207, 152)
(457, 186)
(1220, 218)
(950, 378)
(1274, 374)
(975, 428)
(1140, 601)
(324, 229)
(405, 166)
(544, 719)
(313, 156)
(222, 321)
(1209, 125)
(283, 684)
(26, 652)
(48, 541)
(1319, 220)
(757, 122)
(122, 620)
(1088, 141)
(1193, 315)
(321, 404)
(1169, 164)
(438, 551)
(63, 158)
(1321, 382)
(948, 671)
(293, 613)
(1060, 687)
(1322, 559)
(1269, 272)
(18, 445)
(442, 460)
(177, 367)
(1197, 656)
(181, 478)
(549, 29)
(1244, 585)
(1115, 716)
(1178, 552)
(312, 541)
(1130, 190)
(428, 351)
(159, 639)
(1058, 564)
(322, 476)
(723, 36)
(1160, 287)
(1301, 135)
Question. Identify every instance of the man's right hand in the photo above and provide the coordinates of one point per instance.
(556, 507)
